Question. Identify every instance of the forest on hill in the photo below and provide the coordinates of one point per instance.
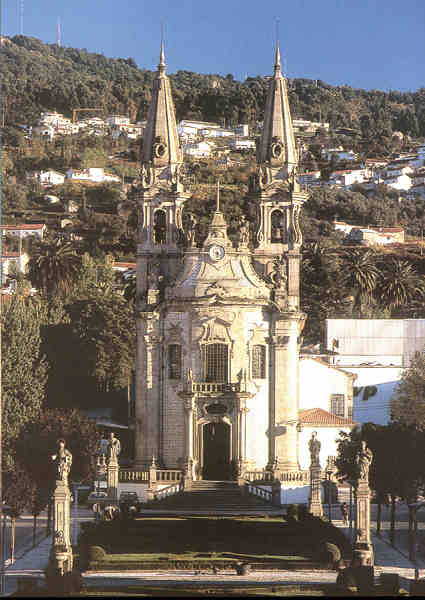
(36, 77)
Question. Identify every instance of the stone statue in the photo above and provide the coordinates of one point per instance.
(191, 231)
(364, 460)
(113, 448)
(63, 462)
(154, 276)
(243, 231)
(278, 275)
(314, 446)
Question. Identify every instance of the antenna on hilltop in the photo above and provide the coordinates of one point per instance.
(59, 33)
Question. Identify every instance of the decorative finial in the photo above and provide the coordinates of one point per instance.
(217, 208)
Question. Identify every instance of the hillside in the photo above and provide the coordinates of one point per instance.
(36, 76)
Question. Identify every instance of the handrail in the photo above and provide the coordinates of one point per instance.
(170, 490)
(259, 476)
(257, 490)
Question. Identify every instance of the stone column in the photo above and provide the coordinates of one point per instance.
(363, 548)
(61, 550)
(315, 502)
(283, 450)
(147, 389)
(112, 474)
(189, 405)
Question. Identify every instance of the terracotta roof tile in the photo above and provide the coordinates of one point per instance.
(318, 416)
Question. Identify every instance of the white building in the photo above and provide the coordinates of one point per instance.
(198, 150)
(340, 154)
(94, 174)
(347, 177)
(50, 177)
(373, 342)
(242, 144)
(241, 130)
(25, 229)
(326, 406)
(310, 178)
(303, 125)
(8, 259)
(117, 120)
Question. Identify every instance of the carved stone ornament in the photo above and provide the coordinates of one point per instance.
(147, 175)
(278, 275)
(276, 149)
(217, 290)
(159, 149)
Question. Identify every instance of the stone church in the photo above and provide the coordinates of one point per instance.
(218, 325)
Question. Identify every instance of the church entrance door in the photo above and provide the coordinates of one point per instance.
(216, 449)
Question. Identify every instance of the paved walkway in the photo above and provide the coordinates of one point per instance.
(387, 560)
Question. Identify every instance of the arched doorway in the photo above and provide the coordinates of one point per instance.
(216, 451)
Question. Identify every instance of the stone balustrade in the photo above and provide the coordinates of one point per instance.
(212, 387)
(133, 476)
(297, 477)
(259, 491)
(167, 475)
(259, 475)
(170, 490)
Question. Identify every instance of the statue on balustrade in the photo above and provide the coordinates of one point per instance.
(63, 461)
(113, 448)
(364, 460)
(314, 446)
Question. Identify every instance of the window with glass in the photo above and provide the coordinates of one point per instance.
(259, 362)
(338, 405)
(216, 363)
(174, 361)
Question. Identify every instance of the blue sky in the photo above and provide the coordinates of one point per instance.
(363, 43)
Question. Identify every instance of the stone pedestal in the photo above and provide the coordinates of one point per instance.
(315, 503)
(61, 550)
(363, 548)
(112, 480)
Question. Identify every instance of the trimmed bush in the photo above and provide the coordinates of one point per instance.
(328, 553)
(96, 553)
(292, 512)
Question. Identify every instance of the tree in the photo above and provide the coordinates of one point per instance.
(104, 324)
(17, 487)
(408, 405)
(54, 267)
(361, 275)
(24, 369)
(398, 283)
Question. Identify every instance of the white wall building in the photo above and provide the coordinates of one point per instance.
(50, 177)
(94, 174)
(25, 229)
(309, 178)
(198, 150)
(242, 144)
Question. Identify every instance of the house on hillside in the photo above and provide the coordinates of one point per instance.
(18, 260)
(93, 174)
(309, 178)
(49, 177)
(198, 150)
(25, 229)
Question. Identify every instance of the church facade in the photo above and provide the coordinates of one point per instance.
(218, 326)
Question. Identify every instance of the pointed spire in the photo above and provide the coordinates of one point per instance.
(161, 65)
(277, 147)
(217, 206)
(277, 65)
(161, 145)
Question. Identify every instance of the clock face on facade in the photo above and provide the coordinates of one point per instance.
(216, 252)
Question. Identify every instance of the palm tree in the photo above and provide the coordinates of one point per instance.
(54, 267)
(360, 273)
(399, 284)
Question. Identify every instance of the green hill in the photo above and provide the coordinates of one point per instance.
(36, 77)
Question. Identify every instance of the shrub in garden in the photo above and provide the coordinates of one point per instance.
(96, 553)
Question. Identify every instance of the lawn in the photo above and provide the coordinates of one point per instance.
(194, 541)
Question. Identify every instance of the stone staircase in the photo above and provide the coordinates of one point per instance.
(213, 496)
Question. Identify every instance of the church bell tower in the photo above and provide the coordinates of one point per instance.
(278, 197)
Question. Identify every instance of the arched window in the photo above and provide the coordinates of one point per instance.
(216, 363)
(278, 231)
(174, 361)
(259, 362)
(160, 227)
